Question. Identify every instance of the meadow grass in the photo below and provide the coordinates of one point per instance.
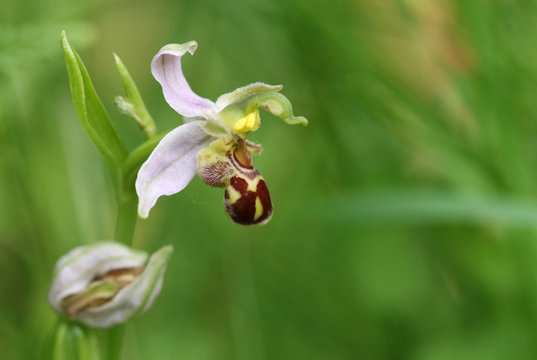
(405, 214)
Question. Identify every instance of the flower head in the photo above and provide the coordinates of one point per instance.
(212, 142)
(106, 283)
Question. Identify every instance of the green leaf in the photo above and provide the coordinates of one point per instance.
(92, 114)
(133, 105)
(423, 206)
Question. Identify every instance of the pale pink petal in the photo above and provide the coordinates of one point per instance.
(171, 166)
(166, 68)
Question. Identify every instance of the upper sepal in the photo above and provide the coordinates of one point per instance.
(166, 68)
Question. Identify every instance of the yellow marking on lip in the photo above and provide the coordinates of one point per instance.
(234, 195)
(258, 208)
(252, 184)
(250, 122)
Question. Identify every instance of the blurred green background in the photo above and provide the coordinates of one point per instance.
(405, 214)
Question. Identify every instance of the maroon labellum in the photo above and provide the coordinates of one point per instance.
(247, 198)
(245, 206)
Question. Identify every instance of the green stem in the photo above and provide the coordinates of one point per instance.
(115, 342)
(126, 219)
(88, 344)
(127, 215)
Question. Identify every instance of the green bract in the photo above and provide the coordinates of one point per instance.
(92, 114)
(133, 104)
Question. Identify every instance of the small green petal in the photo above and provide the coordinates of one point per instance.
(244, 92)
(272, 101)
(279, 105)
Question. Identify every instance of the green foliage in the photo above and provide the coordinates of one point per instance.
(101, 131)
(133, 105)
(404, 223)
(98, 126)
(92, 114)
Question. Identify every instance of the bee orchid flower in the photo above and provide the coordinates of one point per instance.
(212, 141)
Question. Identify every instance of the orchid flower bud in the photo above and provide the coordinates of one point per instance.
(106, 283)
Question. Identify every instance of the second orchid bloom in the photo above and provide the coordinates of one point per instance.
(212, 142)
(106, 283)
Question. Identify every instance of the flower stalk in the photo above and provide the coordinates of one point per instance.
(71, 341)
(126, 219)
